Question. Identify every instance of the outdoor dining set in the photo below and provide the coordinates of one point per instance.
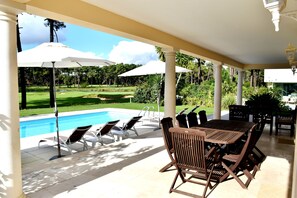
(201, 151)
(210, 152)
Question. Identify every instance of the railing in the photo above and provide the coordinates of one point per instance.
(148, 113)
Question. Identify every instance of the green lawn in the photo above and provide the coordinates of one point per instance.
(75, 100)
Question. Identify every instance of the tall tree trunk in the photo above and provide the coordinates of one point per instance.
(52, 100)
(251, 78)
(22, 72)
(256, 78)
(232, 71)
(199, 71)
(208, 73)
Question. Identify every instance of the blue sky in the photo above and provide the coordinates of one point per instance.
(87, 39)
(115, 48)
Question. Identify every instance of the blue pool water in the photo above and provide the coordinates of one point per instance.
(48, 125)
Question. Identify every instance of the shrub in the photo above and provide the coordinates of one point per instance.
(191, 101)
(228, 99)
(146, 93)
(84, 85)
(264, 102)
(199, 94)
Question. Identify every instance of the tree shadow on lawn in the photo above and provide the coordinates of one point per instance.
(72, 101)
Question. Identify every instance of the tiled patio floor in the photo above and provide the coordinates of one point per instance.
(130, 168)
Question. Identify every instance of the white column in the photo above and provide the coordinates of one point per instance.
(10, 166)
(239, 87)
(170, 90)
(294, 176)
(218, 91)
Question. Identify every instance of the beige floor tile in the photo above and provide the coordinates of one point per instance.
(131, 169)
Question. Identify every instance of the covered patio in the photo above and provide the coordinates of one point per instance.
(232, 33)
(130, 168)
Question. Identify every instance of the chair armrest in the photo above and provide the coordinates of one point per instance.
(62, 139)
(93, 133)
(117, 128)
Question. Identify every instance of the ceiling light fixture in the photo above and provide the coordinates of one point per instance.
(275, 7)
(290, 52)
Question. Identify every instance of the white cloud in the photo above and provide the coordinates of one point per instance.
(33, 30)
(133, 52)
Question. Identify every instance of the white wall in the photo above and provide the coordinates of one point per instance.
(280, 76)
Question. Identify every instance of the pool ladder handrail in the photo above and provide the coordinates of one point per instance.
(147, 112)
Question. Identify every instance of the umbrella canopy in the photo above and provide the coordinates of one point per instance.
(63, 56)
(152, 67)
(57, 55)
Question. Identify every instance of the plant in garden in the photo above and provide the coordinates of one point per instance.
(227, 100)
(198, 94)
(264, 102)
(145, 93)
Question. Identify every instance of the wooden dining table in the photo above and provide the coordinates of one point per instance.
(233, 125)
(224, 131)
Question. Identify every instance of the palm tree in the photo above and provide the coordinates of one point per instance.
(182, 59)
(160, 53)
(200, 62)
(54, 27)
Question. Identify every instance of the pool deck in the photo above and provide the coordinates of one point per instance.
(130, 168)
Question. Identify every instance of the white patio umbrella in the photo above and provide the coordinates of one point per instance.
(57, 55)
(154, 67)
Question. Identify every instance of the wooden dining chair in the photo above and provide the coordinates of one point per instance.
(236, 163)
(192, 162)
(182, 120)
(202, 116)
(192, 119)
(167, 123)
(238, 112)
(257, 154)
(285, 118)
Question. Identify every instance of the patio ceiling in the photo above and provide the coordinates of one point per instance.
(236, 33)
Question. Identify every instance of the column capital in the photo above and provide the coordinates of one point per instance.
(11, 7)
(169, 49)
(217, 63)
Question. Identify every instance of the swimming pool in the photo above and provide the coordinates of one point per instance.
(48, 125)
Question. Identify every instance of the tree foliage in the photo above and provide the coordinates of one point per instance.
(195, 88)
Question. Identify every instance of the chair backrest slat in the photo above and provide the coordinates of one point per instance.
(188, 146)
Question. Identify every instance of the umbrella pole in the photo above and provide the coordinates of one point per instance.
(56, 115)
(159, 98)
(158, 102)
